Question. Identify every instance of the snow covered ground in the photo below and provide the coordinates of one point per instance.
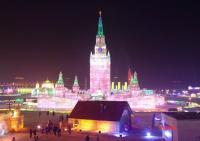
(74, 137)
(32, 119)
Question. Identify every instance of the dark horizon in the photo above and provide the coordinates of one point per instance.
(160, 40)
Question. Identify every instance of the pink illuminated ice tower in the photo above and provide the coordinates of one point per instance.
(75, 87)
(100, 64)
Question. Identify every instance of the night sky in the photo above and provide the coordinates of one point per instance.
(161, 41)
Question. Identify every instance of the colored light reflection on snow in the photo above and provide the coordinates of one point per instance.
(168, 133)
(148, 135)
(3, 126)
(120, 135)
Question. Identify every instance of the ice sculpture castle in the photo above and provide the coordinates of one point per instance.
(100, 63)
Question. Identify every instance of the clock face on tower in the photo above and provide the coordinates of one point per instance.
(100, 50)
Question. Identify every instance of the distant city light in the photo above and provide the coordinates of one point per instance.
(19, 78)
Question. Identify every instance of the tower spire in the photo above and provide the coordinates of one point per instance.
(100, 13)
(129, 76)
(134, 79)
(100, 26)
(75, 86)
(76, 81)
(60, 79)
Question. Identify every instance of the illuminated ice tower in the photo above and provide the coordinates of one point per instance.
(134, 85)
(60, 82)
(100, 64)
(129, 76)
(76, 86)
(59, 87)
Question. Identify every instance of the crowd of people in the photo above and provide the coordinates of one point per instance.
(48, 129)
(52, 128)
(33, 133)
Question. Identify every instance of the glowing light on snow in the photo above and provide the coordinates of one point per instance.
(38, 127)
(148, 134)
(168, 133)
(3, 126)
(120, 134)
